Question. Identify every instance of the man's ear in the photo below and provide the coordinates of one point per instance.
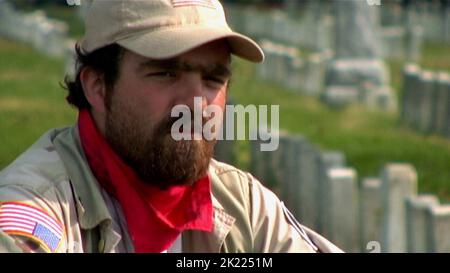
(94, 89)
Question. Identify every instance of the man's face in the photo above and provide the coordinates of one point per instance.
(138, 122)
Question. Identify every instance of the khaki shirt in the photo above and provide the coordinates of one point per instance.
(53, 175)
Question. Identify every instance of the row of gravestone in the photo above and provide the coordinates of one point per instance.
(285, 66)
(402, 43)
(278, 26)
(45, 35)
(435, 20)
(317, 32)
(316, 29)
(425, 102)
(379, 214)
(432, 16)
(359, 80)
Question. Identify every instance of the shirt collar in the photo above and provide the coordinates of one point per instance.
(91, 207)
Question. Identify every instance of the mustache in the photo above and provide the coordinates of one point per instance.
(165, 126)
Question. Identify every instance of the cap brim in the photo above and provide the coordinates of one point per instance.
(169, 43)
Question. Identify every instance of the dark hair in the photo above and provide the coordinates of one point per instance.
(105, 61)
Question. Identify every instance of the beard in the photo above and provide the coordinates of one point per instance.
(153, 154)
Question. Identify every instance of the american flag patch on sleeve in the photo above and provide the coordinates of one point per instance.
(203, 3)
(25, 220)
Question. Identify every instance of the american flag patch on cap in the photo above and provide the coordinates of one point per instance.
(25, 220)
(203, 3)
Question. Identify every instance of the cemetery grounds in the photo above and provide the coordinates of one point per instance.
(32, 101)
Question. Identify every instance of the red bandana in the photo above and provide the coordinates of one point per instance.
(155, 217)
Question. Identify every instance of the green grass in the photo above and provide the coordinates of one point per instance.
(31, 100)
(436, 57)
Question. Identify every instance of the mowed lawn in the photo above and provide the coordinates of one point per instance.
(32, 101)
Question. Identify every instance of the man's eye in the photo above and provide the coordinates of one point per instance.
(215, 79)
(166, 74)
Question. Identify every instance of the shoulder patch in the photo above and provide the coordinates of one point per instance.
(298, 227)
(21, 219)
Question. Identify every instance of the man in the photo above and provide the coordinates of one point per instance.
(118, 181)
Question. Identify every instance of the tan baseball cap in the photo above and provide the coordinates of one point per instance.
(161, 29)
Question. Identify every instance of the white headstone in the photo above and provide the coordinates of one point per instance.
(7, 12)
(315, 74)
(438, 224)
(38, 25)
(426, 101)
(342, 205)
(290, 145)
(307, 165)
(256, 160)
(268, 163)
(70, 58)
(56, 40)
(393, 45)
(447, 23)
(416, 221)
(295, 77)
(414, 41)
(370, 212)
(265, 70)
(442, 106)
(253, 25)
(354, 71)
(399, 181)
(410, 79)
(447, 119)
(356, 30)
(326, 161)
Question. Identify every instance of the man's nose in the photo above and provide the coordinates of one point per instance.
(191, 86)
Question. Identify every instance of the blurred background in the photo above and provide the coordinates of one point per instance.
(364, 94)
